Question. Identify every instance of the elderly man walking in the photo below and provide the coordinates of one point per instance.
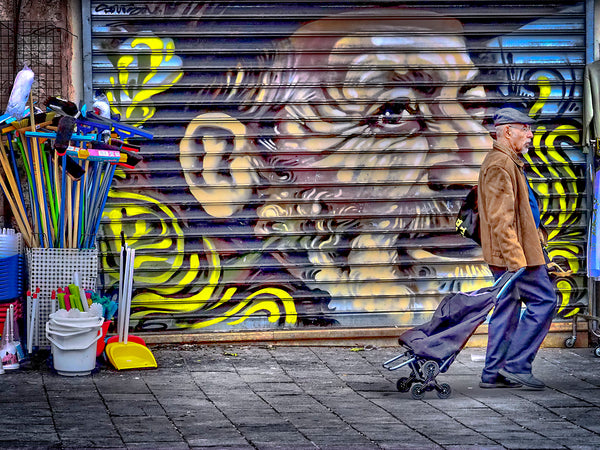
(511, 240)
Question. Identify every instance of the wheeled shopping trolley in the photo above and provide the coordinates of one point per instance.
(431, 348)
(593, 327)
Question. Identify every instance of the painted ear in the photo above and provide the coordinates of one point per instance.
(218, 163)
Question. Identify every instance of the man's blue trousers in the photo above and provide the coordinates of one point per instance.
(515, 338)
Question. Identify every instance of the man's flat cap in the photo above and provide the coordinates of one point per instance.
(510, 115)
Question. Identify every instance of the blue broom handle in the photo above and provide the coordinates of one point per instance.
(63, 183)
(45, 203)
(81, 209)
(38, 218)
(13, 160)
(110, 175)
(92, 198)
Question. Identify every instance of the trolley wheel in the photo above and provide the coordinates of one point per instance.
(403, 384)
(597, 352)
(417, 391)
(444, 391)
(570, 342)
(430, 369)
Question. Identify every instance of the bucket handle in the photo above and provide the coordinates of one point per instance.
(76, 348)
(67, 334)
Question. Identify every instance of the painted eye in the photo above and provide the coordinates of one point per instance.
(390, 113)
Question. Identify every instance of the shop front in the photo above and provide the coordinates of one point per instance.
(308, 159)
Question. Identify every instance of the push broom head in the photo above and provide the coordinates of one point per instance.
(66, 125)
(62, 107)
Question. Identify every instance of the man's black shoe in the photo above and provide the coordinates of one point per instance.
(526, 379)
(499, 382)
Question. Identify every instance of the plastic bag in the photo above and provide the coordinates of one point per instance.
(17, 103)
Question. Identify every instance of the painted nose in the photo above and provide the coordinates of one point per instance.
(456, 153)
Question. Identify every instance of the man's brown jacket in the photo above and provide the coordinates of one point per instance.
(509, 237)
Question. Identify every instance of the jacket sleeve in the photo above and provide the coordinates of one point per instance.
(500, 210)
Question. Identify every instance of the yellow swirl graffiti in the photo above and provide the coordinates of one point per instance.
(559, 193)
(142, 229)
(131, 89)
(270, 306)
(545, 90)
(164, 299)
(566, 289)
(565, 184)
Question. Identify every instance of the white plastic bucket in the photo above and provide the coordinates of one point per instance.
(74, 354)
(75, 337)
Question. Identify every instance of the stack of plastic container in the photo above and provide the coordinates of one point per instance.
(12, 281)
(12, 277)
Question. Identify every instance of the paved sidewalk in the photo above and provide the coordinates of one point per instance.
(259, 397)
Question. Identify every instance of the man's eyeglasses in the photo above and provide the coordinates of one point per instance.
(524, 128)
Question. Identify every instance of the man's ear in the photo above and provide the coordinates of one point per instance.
(218, 163)
(499, 132)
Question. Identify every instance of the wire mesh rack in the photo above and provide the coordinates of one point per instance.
(40, 45)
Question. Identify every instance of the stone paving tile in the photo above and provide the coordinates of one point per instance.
(473, 447)
(195, 434)
(220, 442)
(21, 430)
(217, 382)
(86, 442)
(266, 435)
(227, 446)
(533, 444)
(190, 424)
(346, 440)
(35, 411)
(271, 375)
(294, 404)
(326, 388)
(417, 445)
(581, 442)
(277, 386)
(458, 438)
(29, 443)
(153, 445)
(249, 420)
(8, 421)
(178, 405)
(122, 383)
(134, 408)
(173, 382)
(383, 431)
(316, 420)
(591, 396)
(136, 429)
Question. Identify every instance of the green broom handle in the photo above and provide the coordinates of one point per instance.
(53, 211)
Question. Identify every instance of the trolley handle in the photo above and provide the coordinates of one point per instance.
(510, 281)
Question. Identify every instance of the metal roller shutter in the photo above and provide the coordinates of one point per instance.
(308, 157)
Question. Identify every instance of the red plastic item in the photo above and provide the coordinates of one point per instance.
(102, 341)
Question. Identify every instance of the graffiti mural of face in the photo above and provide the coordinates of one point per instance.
(363, 151)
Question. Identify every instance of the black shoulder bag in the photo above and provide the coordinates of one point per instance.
(467, 219)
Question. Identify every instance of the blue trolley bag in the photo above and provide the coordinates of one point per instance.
(454, 322)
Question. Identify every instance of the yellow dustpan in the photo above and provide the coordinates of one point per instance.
(129, 355)
(123, 354)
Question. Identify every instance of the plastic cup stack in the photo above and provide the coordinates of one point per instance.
(9, 243)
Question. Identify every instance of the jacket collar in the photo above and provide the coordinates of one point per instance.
(513, 155)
